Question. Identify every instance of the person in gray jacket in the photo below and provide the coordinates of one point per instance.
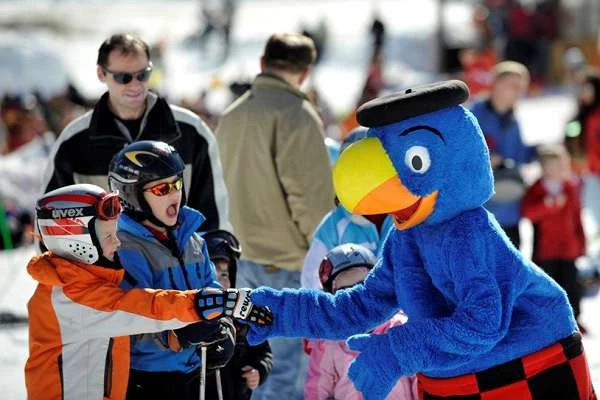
(278, 177)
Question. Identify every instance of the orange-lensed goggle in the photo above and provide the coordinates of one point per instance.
(163, 189)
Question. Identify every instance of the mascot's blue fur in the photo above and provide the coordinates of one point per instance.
(472, 300)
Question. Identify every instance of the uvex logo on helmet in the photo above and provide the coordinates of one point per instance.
(67, 213)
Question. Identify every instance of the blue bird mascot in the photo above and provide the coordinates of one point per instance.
(483, 322)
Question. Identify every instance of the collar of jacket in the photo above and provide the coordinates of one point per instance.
(158, 122)
(272, 81)
(189, 222)
(50, 269)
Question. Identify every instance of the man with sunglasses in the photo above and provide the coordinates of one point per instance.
(128, 112)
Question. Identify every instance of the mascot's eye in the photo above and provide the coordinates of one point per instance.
(417, 159)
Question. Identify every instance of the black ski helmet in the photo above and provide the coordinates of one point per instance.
(223, 245)
(137, 164)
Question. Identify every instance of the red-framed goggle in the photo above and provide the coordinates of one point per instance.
(107, 208)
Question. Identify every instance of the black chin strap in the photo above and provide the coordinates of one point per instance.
(106, 263)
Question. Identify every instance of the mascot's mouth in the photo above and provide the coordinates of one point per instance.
(402, 216)
(367, 183)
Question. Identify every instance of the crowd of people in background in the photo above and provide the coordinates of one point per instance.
(262, 169)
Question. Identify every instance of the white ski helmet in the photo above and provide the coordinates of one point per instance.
(342, 257)
(65, 219)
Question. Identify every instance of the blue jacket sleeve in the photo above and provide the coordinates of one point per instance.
(312, 313)
(480, 319)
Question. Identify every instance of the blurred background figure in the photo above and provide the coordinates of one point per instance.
(377, 33)
(217, 20)
(23, 121)
(24, 150)
(554, 207)
(478, 62)
(508, 152)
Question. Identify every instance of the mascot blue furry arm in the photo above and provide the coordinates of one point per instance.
(474, 304)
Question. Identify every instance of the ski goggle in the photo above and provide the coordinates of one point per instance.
(109, 207)
(106, 208)
(124, 78)
(163, 189)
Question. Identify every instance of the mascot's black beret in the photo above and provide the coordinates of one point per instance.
(411, 102)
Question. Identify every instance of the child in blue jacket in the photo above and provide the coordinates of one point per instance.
(161, 249)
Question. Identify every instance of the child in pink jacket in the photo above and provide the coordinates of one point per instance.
(327, 378)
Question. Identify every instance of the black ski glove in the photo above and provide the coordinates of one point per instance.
(219, 353)
(200, 332)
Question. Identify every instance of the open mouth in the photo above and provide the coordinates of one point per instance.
(172, 210)
(401, 216)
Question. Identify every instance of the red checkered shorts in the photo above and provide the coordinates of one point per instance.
(558, 372)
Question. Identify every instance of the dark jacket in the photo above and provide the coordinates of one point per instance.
(83, 151)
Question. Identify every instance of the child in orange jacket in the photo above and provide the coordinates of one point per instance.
(78, 315)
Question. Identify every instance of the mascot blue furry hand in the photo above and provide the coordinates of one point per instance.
(482, 320)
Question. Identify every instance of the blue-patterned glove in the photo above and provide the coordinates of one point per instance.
(271, 298)
(376, 369)
(212, 303)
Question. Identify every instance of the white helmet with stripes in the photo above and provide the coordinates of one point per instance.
(65, 219)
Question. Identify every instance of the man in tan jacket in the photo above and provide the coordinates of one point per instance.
(278, 177)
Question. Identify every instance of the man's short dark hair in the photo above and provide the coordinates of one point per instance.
(127, 43)
(289, 52)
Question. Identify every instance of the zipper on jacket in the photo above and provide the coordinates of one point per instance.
(172, 279)
(62, 379)
(108, 369)
(185, 274)
(175, 252)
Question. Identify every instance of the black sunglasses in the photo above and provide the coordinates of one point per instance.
(125, 77)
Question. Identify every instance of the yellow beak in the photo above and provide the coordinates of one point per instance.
(366, 182)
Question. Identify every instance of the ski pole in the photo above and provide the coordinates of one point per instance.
(203, 373)
(219, 384)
